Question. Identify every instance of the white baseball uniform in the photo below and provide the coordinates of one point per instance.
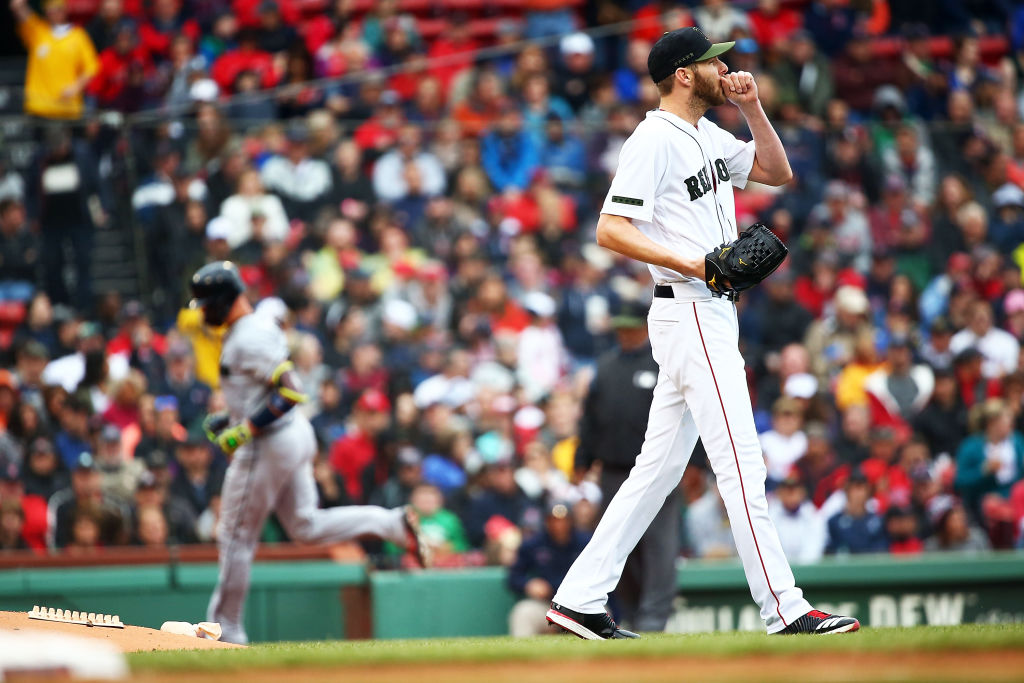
(273, 472)
(675, 183)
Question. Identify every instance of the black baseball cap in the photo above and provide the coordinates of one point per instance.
(680, 48)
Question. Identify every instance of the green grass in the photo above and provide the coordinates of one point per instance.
(351, 653)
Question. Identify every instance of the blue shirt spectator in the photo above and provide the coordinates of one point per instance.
(563, 155)
(855, 529)
(548, 555)
(509, 154)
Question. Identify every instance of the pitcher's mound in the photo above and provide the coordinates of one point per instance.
(128, 639)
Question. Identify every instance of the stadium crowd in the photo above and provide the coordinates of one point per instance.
(420, 219)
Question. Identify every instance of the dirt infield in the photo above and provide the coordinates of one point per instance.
(939, 666)
(128, 639)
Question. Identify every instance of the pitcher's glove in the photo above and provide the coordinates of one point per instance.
(741, 264)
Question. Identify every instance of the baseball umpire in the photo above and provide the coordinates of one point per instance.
(611, 433)
(271, 448)
(671, 202)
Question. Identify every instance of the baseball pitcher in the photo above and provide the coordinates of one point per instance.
(272, 449)
(670, 203)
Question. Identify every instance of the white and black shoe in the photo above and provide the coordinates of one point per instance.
(821, 623)
(586, 626)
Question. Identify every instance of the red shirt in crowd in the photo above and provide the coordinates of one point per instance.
(115, 74)
(446, 49)
(770, 29)
(156, 40)
(511, 319)
(375, 134)
(350, 455)
(36, 520)
(248, 12)
(227, 68)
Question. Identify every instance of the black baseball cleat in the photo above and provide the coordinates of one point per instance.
(821, 623)
(416, 542)
(586, 626)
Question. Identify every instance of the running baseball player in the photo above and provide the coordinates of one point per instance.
(670, 203)
(272, 448)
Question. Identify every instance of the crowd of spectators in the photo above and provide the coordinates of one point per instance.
(421, 223)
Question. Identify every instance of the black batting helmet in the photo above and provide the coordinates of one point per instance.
(215, 287)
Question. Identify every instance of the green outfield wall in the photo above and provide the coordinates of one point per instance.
(309, 600)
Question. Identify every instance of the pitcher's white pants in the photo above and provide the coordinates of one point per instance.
(274, 473)
(701, 391)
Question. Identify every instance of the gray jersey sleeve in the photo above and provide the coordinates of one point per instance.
(261, 350)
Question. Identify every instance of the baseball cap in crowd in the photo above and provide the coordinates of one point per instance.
(147, 480)
(156, 459)
(899, 511)
(88, 329)
(110, 433)
(967, 355)
(195, 437)
(785, 405)
(389, 98)
(792, 478)
(409, 456)
(204, 90)
(494, 449)
(816, 430)
(597, 256)
(747, 46)
(41, 444)
(1014, 302)
(1008, 195)
(166, 402)
(132, 310)
(62, 313)
(836, 189)
(852, 300)
(85, 461)
(177, 349)
(857, 476)
(35, 349)
(401, 314)
(560, 509)
(219, 228)
(801, 385)
(629, 314)
(940, 325)
(374, 401)
(680, 48)
(901, 341)
(540, 304)
(576, 44)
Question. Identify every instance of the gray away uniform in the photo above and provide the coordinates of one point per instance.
(272, 473)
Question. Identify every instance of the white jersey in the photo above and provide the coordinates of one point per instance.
(253, 349)
(675, 182)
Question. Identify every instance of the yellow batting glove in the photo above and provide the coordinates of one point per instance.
(233, 438)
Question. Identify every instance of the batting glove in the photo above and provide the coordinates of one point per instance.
(215, 423)
(233, 438)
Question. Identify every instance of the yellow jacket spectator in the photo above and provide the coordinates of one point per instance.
(206, 343)
(61, 60)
